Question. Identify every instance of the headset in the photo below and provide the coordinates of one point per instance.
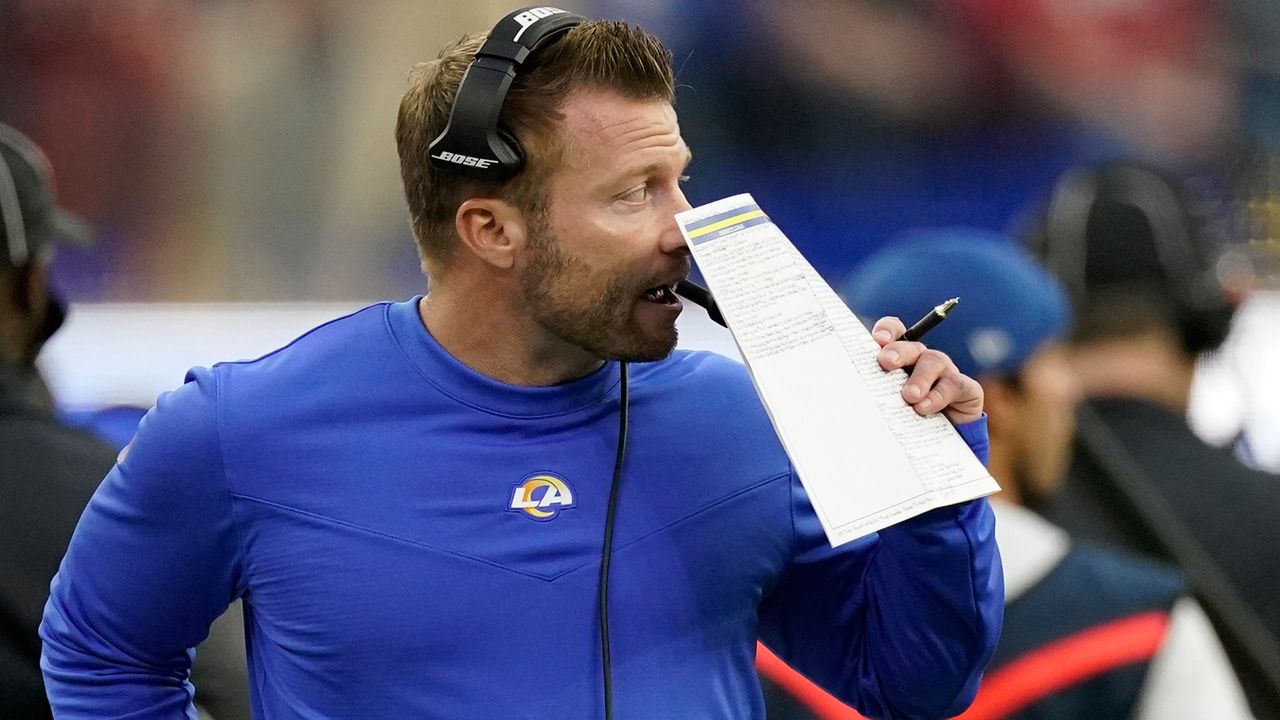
(1178, 235)
(15, 231)
(474, 144)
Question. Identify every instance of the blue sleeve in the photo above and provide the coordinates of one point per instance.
(900, 624)
(153, 562)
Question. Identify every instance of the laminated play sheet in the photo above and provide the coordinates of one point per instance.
(866, 459)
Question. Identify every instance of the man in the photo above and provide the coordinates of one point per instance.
(1088, 633)
(48, 471)
(412, 499)
(1139, 261)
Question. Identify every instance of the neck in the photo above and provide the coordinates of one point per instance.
(1151, 366)
(13, 336)
(487, 330)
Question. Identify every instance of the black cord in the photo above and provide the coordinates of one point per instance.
(608, 543)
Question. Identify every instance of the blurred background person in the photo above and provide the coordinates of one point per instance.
(1089, 633)
(1145, 272)
(48, 471)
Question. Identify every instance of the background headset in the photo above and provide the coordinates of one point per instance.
(1177, 235)
(15, 231)
(17, 245)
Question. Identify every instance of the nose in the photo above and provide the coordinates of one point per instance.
(672, 239)
(682, 203)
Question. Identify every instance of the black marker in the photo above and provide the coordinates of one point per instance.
(930, 321)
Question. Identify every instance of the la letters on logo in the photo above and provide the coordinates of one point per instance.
(541, 496)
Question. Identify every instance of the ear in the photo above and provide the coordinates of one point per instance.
(493, 230)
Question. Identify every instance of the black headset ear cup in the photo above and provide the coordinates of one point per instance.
(1204, 330)
(508, 139)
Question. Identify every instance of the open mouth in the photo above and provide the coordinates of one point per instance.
(662, 295)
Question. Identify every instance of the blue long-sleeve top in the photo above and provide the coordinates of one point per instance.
(415, 540)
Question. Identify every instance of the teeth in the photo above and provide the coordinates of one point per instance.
(661, 294)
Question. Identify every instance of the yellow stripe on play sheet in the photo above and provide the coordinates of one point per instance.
(727, 222)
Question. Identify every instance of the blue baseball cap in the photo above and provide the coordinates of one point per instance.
(1009, 304)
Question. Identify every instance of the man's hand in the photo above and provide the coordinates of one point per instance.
(934, 383)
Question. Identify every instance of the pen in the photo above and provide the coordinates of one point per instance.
(930, 321)
(701, 296)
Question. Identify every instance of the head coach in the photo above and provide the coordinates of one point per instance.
(511, 498)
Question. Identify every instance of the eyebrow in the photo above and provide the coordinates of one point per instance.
(655, 167)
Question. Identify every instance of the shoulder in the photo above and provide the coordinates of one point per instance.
(711, 399)
(292, 378)
(1116, 574)
(1118, 585)
(350, 335)
(700, 383)
(699, 369)
(346, 355)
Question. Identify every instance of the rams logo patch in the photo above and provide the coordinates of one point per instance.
(541, 496)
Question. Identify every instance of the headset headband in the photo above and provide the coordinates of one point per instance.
(1186, 273)
(15, 230)
(473, 143)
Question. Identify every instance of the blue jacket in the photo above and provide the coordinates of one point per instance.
(415, 540)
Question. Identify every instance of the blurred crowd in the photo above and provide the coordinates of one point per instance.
(255, 136)
(1084, 170)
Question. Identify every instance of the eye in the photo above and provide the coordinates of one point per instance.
(638, 194)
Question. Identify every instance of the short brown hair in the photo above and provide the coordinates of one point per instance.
(606, 54)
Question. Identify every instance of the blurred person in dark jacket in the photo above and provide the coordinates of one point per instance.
(1089, 633)
(48, 470)
(1149, 276)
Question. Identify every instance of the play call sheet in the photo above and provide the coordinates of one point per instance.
(866, 459)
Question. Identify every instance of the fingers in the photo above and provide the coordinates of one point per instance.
(931, 367)
(934, 383)
(888, 329)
